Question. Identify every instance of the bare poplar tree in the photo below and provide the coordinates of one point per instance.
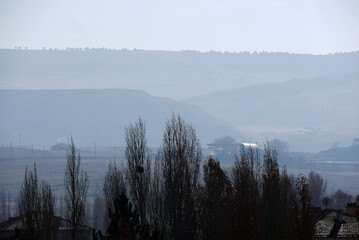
(47, 210)
(156, 200)
(288, 203)
(8, 206)
(3, 205)
(340, 199)
(271, 210)
(246, 179)
(37, 205)
(138, 158)
(76, 186)
(29, 204)
(317, 188)
(306, 223)
(181, 160)
(114, 185)
(98, 213)
(216, 204)
(61, 210)
(357, 204)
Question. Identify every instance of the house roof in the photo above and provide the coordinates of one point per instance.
(12, 223)
(252, 145)
(17, 222)
(329, 225)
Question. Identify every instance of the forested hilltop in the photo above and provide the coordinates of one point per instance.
(163, 73)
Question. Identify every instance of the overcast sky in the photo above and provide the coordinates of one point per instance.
(299, 26)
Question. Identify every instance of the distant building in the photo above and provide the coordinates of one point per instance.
(352, 208)
(229, 148)
(13, 229)
(333, 224)
(224, 145)
(249, 145)
(60, 147)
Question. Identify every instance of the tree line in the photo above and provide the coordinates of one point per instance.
(174, 195)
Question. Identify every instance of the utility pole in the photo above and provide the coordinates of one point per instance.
(94, 150)
(115, 152)
(11, 149)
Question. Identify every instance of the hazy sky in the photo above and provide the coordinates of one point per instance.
(301, 26)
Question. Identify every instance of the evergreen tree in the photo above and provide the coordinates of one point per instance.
(124, 220)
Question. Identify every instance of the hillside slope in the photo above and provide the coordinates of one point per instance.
(316, 111)
(43, 116)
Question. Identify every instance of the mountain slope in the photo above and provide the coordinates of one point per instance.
(320, 101)
(43, 116)
(313, 113)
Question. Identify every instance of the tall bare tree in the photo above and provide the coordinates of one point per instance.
(246, 185)
(271, 210)
(181, 160)
(216, 204)
(29, 204)
(340, 199)
(289, 207)
(156, 198)
(114, 185)
(138, 158)
(76, 186)
(357, 204)
(60, 210)
(306, 223)
(9, 211)
(47, 210)
(3, 205)
(98, 213)
(317, 188)
(37, 206)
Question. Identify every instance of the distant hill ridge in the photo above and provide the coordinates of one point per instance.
(43, 116)
(322, 101)
(163, 73)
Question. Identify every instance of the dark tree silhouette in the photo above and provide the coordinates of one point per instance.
(114, 185)
(216, 204)
(271, 210)
(76, 186)
(37, 205)
(317, 188)
(289, 207)
(180, 165)
(156, 198)
(3, 214)
(124, 220)
(246, 179)
(340, 199)
(306, 223)
(138, 167)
